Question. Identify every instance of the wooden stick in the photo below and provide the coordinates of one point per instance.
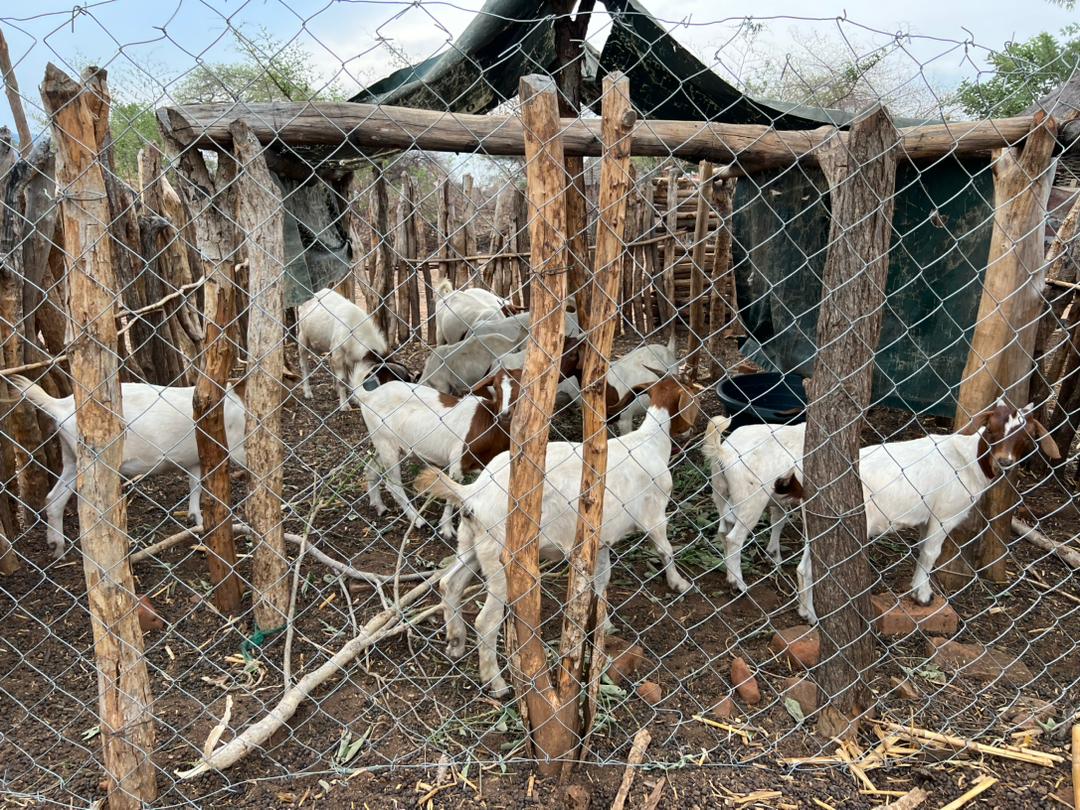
(909, 801)
(599, 298)
(1037, 538)
(1076, 764)
(959, 743)
(369, 126)
(984, 784)
(653, 801)
(80, 117)
(14, 97)
(633, 761)
(530, 424)
(670, 314)
(698, 293)
(260, 218)
(208, 412)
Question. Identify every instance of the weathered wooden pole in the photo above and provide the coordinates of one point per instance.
(723, 313)
(445, 222)
(1003, 345)
(531, 422)
(698, 292)
(384, 255)
(260, 219)
(14, 97)
(861, 170)
(213, 444)
(669, 314)
(363, 283)
(584, 612)
(126, 722)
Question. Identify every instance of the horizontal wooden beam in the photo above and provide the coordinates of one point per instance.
(367, 127)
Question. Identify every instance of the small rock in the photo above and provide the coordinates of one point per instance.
(803, 691)
(897, 617)
(650, 692)
(724, 709)
(799, 645)
(628, 661)
(149, 619)
(905, 688)
(1031, 713)
(744, 682)
(977, 662)
(577, 797)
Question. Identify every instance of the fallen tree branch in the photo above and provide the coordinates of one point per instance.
(633, 761)
(345, 569)
(1070, 556)
(384, 624)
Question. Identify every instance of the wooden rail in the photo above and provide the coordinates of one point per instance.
(369, 127)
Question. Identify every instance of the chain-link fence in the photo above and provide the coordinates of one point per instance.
(368, 349)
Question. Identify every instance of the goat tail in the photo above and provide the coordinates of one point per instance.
(444, 288)
(38, 396)
(434, 482)
(713, 444)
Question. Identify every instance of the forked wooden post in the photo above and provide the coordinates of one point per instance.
(213, 444)
(1003, 346)
(259, 217)
(861, 170)
(584, 611)
(698, 292)
(126, 723)
(532, 415)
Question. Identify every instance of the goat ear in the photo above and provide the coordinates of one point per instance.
(616, 404)
(487, 382)
(980, 421)
(689, 411)
(239, 386)
(1046, 441)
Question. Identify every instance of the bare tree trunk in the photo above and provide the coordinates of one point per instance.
(698, 292)
(861, 170)
(723, 310)
(1003, 345)
(670, 314)
(127, 725)
(11, 87)
(260, 217)
(384, 256)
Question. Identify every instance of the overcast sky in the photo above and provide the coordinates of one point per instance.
(149, 45)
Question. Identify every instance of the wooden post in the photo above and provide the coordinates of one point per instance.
(861, 170)
(14, 97)
(698, 293)
(384, 256)
(1002, 347)
(670, 313)
(358, 228)
(468, 226)
(416, 255)
(650, 253)
(124, 699)
(723, 313)
(529, 427)
(584, 612)
(260, 218)
(213, 444)
(402, 266)
(445, 240)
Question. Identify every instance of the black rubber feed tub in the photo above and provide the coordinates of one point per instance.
(752, 399)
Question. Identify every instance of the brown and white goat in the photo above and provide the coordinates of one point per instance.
(461, 434)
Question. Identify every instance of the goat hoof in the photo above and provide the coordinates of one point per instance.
(923, 602)
(455, 649)
(447, 535)
(498, 687)
(680, 586)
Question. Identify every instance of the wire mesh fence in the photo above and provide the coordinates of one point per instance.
(325, 379)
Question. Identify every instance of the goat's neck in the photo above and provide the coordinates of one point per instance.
(654, 431)
(979, 470)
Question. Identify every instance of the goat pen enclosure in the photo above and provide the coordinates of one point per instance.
(904, 273)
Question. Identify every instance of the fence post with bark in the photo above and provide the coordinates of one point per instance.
(861, 171)
(124, 699)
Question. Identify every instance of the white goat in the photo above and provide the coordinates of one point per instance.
(744, 467)
(461, 434)
(159, 434)
(930, 483)
(331, 323)
(456, 367)
(638, 489)
(456, 311)
(517, 326)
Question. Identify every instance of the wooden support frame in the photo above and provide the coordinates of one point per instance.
(260, 218)
(861, 170)
(124, 698)
(750, 147)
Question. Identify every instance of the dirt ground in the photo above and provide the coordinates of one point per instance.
(374, 736)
